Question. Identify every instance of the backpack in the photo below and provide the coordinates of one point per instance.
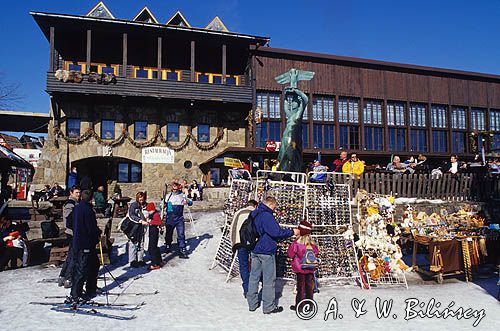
(309, 260)
(49, 229)
(248, 234)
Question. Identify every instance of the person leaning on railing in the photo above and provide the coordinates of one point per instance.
(354, 166)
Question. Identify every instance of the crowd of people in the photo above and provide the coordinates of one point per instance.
(420, 164)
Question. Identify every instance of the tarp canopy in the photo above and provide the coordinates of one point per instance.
(11, 159)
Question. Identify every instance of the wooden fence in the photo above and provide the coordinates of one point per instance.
(460, 187)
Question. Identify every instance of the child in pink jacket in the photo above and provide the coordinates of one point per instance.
(303, 270)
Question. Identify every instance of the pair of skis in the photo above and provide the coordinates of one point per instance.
(93, 308)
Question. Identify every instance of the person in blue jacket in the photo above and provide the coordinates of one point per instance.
(86, 236)
(264, 257)
(174, 203)
(72, 178)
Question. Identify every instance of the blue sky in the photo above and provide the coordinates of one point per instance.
(451, 34)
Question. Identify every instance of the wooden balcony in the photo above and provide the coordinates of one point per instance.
(154, 88)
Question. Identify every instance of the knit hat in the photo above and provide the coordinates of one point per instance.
(305, 228)
(150, 207)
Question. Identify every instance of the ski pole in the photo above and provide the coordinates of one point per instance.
(102, 263)
(192, 221)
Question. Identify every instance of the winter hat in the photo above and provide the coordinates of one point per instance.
(305, 228)
(151, 207)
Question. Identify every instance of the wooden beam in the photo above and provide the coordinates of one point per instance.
(193, 72)
(224, 64)
(89, 49)
(51, 50)
(159, 57)
(124, 55)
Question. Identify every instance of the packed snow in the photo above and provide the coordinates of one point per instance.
(192, 297)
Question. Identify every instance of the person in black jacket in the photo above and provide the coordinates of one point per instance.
(86, 236)
(66, 275)
(136, 246)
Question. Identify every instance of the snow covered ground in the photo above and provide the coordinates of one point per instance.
(192, 297)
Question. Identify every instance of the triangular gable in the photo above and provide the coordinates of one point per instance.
(178, 19)
(216, 25)
(145, 15)
(100, 10)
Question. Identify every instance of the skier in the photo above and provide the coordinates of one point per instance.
(154, 230)
(136, 247)
(66, 275)
(86, 236)
(174, 203)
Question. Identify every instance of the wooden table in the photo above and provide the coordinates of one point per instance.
(120, 207)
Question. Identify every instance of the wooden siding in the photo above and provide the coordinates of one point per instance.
(155, 88)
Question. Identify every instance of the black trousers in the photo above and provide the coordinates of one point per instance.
(153, 249)
(85, 271)
(68, 265)
(10, 254)
(305, 286)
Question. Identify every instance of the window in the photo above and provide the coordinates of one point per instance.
(324, 136)
(439, 141)
(75, 67)
(458, 142)
(73, 127)
(203, 133)
(495, 143)
(230, 80)
(418, 140)
(458, 118)
(140, 130)
(141, 73)
(108, 129)
(173, 132)
(373, 139)
(305, 135)
(417, 115)
(270, 126)
(217, 79)
(108, 70)
(129, 172)
(372, 112)
(438, 117)
(396, 113)
(349, 137)
(396, 139)
(202, 78)
(348, 110)
(172, 75)
(495, 120)
(477, 119)
(322, 109)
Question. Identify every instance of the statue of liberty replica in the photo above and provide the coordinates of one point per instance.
(290, 154)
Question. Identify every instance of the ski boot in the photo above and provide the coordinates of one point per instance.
(183, 254)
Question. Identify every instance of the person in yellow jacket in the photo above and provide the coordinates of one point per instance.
(353, 166)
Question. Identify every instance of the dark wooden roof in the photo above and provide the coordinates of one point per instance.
(16, 121)
(373, 64)
(45, 20)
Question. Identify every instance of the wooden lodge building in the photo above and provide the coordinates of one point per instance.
(120, 86)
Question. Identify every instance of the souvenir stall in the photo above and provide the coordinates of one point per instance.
(381, 261)
(457, 242)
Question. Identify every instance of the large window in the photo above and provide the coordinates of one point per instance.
(348, 110)
(172, 131)
(349, 137)
(396, 113)
(477, 119)
(323, 135)
(439, 141)
(458, 118)
(495, 120)
(73, 127)
(269, 122)
(418, 140)
(372, 112)
(374, 138)
(323, 117)
(140, 130)
(396, 140)
(129, 172)
(108, 129)
(458, 142)
(438, 117)
(203, 133)
(305, 135)
(417, 115)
